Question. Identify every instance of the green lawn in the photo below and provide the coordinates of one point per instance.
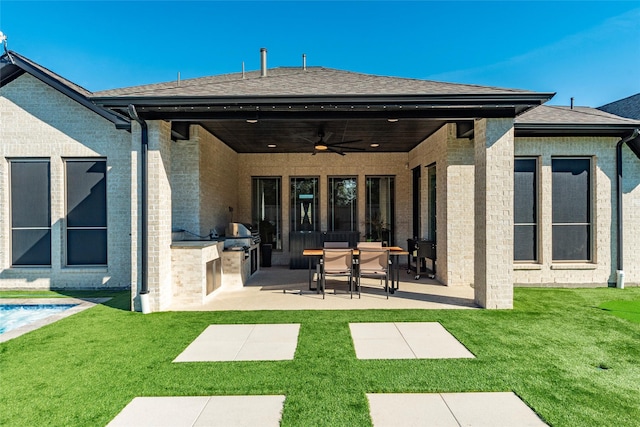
(561, 350)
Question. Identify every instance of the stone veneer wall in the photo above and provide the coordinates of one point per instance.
(324, 165)
(37, 121)
(602, 270)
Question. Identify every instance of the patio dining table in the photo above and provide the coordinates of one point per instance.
(394, 253)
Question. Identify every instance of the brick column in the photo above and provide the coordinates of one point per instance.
(159, 211)
(493, 266)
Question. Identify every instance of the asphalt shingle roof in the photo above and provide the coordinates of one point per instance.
(552, 114)
(627, 107)
(314, 81)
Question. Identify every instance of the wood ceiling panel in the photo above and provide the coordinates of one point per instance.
(300, 136)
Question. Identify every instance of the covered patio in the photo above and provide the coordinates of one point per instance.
(305, 152)
(280, 288)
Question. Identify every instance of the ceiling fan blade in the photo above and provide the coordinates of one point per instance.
(346, 142)
(352, 148)
(335, 151)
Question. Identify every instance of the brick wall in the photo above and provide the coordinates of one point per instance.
(324, 165)
(38, 121)
(603, 268)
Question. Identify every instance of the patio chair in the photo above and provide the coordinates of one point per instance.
(369, 245)
(374, 263)
(337, 262)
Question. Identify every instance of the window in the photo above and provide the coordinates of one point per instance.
(571, 212)
(525, 208)
(304, 204)
(380, 209)
(266, 210)
(30, 189)
(343, 195)
(431, 195)
(86, 212)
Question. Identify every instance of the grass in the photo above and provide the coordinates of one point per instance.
(560, 350)
(629, 310)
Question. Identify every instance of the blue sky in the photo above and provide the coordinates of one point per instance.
(589, 50)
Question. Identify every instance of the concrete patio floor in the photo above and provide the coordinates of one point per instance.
(279, 288)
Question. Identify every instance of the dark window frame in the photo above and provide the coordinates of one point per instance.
(255, 216)
(536, 212)
(99, 231)
(587, 225)
(24, 227)
(331, 217)
(293, 205)
(389, 234)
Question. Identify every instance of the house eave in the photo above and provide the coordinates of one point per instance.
(572, 129)
(287, 107)
(25, 67)
(435, 100)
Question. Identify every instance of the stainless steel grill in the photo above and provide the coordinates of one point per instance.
(241, 235)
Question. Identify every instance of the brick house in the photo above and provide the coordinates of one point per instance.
(98, 190)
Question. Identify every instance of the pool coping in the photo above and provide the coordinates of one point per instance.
(81, 305)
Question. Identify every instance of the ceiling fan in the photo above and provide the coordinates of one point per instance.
(323, 146)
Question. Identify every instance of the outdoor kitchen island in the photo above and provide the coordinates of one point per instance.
(196, 270)
(200, 267)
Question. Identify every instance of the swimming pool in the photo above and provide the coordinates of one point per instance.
(13, 316)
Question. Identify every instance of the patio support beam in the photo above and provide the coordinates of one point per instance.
(493, 258)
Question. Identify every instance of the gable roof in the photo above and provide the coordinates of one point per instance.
(13, 65)
(627, 107)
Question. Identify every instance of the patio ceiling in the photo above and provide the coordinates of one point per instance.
(299, 136)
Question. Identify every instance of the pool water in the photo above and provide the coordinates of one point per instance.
(13, 316)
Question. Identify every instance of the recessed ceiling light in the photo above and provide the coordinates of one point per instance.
(252, 120)
(392, 120)
(374, 145)
(272, 145)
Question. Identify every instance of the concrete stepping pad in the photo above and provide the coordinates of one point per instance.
(198, 411)
(411, 340)
(501, 409)
(219, 343)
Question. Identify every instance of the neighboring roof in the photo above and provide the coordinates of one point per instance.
(313, 81)
(555, 120)
(627, 107)
(13, 65)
